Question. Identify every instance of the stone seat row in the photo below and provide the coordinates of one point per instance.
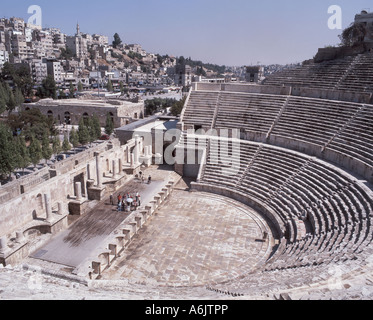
(352, 74)
(332, 202)
(316, 75)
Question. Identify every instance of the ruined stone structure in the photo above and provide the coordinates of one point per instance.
(72, 110)
(40, 203)
(276, 200)
(302, 162)
(348, 75)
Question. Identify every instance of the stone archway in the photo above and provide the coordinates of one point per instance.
(67, 117)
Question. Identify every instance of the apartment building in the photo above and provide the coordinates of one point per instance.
(39, 70)
(18, 45)
(55, 69)
(183, 75)
(4, 57)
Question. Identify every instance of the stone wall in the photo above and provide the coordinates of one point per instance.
(340, 95)
(24, 184)
(331, 53)
(21, 209)
(246, 88)
(122, 112)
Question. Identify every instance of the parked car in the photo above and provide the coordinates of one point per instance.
(105, 137)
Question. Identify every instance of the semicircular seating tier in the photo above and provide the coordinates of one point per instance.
(351, 73)
(336, 131)
(321, 213)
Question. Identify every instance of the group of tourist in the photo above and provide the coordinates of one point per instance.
(142, 178)
(127, 202)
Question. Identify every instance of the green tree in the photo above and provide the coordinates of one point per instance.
(66, 146)
(22, 153)
(74, 137)
(96, 127)
(117, 41)
(109, 127)
(49, 87)
(7, 150)
(35, 151)
(353, 35)
(32, 123)
(80, 86)
(3, 98)
(110, 86)
(178, 106)
(66, 54)
(61, 94)
(90, 128)
(18, 96)
(11, 105)
(83, 132)
(56, 145)
(46, 149)
(20, 75)
(71, 91)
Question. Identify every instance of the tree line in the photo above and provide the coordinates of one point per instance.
(153, 106)
(30, 137)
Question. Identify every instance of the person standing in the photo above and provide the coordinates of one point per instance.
(111, 199)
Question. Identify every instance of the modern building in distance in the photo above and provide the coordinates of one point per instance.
(183, 75)
(55, 69)
(254, 74)
(77, 44)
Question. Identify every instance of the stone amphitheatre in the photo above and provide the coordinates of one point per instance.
(281, 207)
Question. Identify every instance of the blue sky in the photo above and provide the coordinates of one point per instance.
(230, 32)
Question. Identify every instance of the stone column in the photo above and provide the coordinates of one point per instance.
(141, 146)
(132, 160)
(98, 172)
(88, 172)
(128, 154)
(78, 191)
(136, 151)
(120, 165)
(146, 151)
(85, 187)
(3, 245)
(48, 207)
(114, 169)
(60, 208)
(19, 236)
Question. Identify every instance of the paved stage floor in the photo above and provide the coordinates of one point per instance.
(72, 246)
(194, 239)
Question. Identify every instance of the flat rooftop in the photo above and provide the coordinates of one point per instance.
(157, 125)
(81, 102)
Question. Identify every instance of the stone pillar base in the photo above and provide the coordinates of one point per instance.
(77, 208)
(146, 161)
(95, 193)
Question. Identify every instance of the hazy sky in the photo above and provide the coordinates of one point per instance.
(230, 32)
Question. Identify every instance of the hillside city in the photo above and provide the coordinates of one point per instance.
(88, 62)
(129, 175)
